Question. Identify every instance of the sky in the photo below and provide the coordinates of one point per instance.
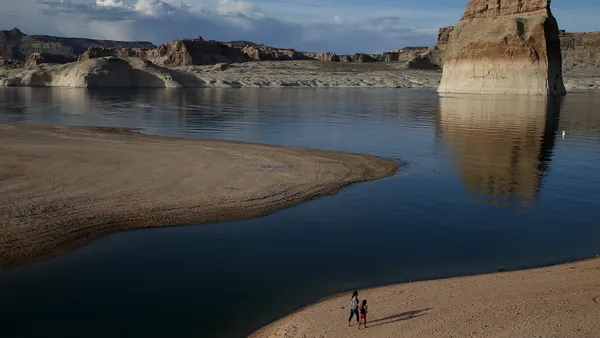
(340, 26)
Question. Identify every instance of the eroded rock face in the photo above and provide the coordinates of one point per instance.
(104, 72)
(580, 50)
(407, 53)
(504, 47)
(326, 57)
(444, 36)
(433, 57)
(195, 52)
(430, 60)
(17, 45)
(9, 62)
(100, 52)
(495, 8)
(39, 58)
(265, 53)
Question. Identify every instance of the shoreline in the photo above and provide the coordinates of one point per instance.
(63, 187)
(298, 324)
(131, 72)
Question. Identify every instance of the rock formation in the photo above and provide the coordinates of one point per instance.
(198, 51)
(407, 53)
(195, 52)
(580, 50)
(265, 53)
(99, 52)
(40, 58)
(432, 58)
(17, 45)
(444, 36)
(504, 47)
(10, 62)
(107, 72)
(326, 57)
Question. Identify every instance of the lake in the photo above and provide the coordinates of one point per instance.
(486, 183)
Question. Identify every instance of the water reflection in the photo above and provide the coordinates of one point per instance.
(325, 118)
(502, 147)
(581, 115)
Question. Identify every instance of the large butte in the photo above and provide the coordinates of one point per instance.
(504, 47)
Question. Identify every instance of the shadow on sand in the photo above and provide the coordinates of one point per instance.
(397, 317)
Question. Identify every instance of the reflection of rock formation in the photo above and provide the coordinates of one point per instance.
(502, 147)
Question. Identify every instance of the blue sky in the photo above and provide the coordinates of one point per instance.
(342, 26)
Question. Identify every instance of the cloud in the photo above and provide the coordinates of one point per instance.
(110, 3)
(341, 26)
(246, 8)
(165, 20)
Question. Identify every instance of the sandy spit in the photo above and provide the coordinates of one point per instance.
(557, 301)
(62, 187)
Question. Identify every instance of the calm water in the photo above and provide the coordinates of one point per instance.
(487, 183)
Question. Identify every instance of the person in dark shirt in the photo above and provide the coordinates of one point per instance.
(363, 314)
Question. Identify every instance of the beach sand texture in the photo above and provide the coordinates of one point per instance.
(557, 301)
(62, 187)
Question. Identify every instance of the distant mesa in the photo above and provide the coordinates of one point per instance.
(432, 57)
(16, 45)
(504, 47)
(242, 43)
(40, 58)
(489, 51)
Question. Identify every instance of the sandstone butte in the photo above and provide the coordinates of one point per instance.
(504, 47)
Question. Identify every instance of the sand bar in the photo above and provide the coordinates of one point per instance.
(62, 187)
(557, 301)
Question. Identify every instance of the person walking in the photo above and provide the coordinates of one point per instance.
(354, 307)
(363, 314)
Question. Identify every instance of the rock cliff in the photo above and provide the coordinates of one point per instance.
(198, 52)
(433, 57)
(106, 72)
(195, 52)
(17, 45)
(265, 53)
(580, 51)
(504, 47)
(9, 62)
(99, 52)
(40, 58)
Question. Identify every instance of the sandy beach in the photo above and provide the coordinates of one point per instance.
(62, 187)
(556, 301)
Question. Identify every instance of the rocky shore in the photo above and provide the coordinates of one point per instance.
(135, 72)
(113, 72)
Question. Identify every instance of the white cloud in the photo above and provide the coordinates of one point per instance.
(240, 7)
(110, 3)
(165, 20)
